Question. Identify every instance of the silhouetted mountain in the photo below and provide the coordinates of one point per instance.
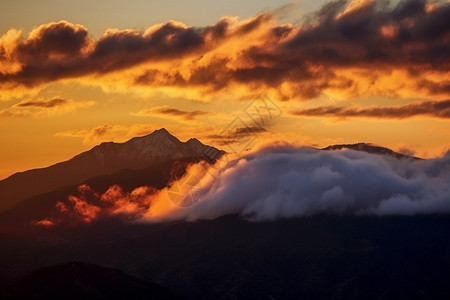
(319, 257)
(76, 280)
(104, 159)
(369, 149)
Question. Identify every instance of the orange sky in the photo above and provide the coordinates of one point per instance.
(343, 74)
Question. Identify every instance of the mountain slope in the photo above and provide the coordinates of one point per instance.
(104, 159)
(16, 219)
(77, 280)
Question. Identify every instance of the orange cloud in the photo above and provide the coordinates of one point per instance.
(344, 49)
(90, 205)
(141, 203)
(136, 202)
(46, 222)
(389, 31)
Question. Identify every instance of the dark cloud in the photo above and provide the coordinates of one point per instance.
(43, 103)
(442, 87)
(437, 109)
(214, 75)
(61, 40)
(44, 107)
(64, 50)
(248, 130)
(237, 132)
(169, 41)
(236, 135)
(356, 38)
(372, 37)
(172, 111)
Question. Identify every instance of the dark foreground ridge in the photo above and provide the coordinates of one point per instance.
(320, 257)
(76, 280)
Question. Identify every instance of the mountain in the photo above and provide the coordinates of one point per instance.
(76, 280)
(369, 148)
(318, 257)
(16, 219)
(104, 159)
(230, 257)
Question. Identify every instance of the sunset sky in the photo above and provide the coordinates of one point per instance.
(76, 73)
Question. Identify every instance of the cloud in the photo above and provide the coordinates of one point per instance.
(436, 109)
(100, 131)
(108, 132)
(46, 222)
(8, 113)
(96, 134)
(43, 103)
(406, 151)
(282, 181)
(239, 132)
(345, 49)
(119, 133)
(233, 138)
(90, 205)
(65, 50)
(171, 111)
(44, 108)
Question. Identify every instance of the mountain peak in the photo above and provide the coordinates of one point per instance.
(194, 141)
(104, 159)
(161, 131)
(369, 148)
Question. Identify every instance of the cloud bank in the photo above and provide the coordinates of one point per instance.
(436, 109)
(164, 111)
(282, 182)
(44, 107)
(344, 49)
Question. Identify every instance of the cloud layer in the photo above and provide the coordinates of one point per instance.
(281, 182)
(436, 109)
(285, 182)
(345, 48)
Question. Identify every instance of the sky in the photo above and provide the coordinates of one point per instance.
(76, 73)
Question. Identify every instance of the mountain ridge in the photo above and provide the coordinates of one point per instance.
(369, 148)
(78, 280)
(137, 153)
(103, 159)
